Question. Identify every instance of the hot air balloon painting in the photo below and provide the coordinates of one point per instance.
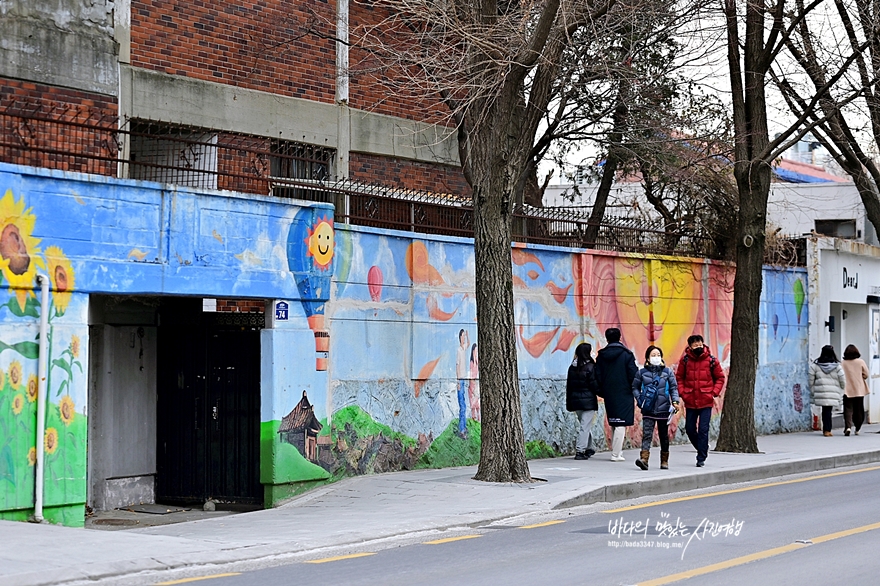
(799, 297)
(374, 283)
(310, 259)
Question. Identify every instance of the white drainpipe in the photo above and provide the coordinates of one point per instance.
(42, 395)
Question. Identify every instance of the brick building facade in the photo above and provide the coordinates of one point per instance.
(259, 69)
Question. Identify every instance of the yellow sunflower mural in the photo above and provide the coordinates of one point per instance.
(74, 346)
(32, 388)
(50, 440)
(67, 409)
(15, 375)
(19, 250)
(2, 379)
(62, 277)
(17, 404)
(32, 456)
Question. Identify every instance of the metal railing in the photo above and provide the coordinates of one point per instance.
(83, 139)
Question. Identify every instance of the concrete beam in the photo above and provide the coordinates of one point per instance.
(158, 96)
(35, 48)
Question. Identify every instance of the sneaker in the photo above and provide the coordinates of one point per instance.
(846, 432)
(591, 452)
(700, 464)
(618, 459)
(581, 456)
(826, 433)
(857, 432)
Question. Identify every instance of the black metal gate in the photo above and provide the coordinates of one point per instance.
(208, 405)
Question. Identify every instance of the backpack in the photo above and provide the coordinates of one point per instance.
(648, 395)
(684, 372)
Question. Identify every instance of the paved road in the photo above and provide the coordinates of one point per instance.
(759, 532)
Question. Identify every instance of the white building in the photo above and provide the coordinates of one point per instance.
(804, 199)
(844, 298)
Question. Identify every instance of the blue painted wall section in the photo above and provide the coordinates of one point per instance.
(400, 386)
(401, 302)
(782, 398)
(101, 235)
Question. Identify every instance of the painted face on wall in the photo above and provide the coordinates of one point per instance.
(658, 301)
(320, 243)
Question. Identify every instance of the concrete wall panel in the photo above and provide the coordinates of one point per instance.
(64, 43)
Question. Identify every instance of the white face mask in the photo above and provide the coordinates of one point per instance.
(655, 360)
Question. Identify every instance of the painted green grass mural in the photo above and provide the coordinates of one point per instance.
(281, 462)
(22, 257)
(355, 444)
(451, 450)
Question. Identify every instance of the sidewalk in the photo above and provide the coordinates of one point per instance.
(372, 507)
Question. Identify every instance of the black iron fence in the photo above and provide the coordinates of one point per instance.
(77, 138)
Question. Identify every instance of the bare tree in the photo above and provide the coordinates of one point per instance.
(515, 77)
(848, 116)
(751, 54)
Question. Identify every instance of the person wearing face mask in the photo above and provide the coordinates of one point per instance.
(656, 394)
(700, 380)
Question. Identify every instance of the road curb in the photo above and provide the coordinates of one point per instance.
(116, 571)
(659, 486)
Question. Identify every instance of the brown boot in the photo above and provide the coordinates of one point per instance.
(642, 462)
(664, 460)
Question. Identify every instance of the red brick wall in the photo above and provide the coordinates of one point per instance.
(377, 87)
(245, 169)
(256, 44)
(266, 45)
(241, 305)
(41, 123)
(408, 174)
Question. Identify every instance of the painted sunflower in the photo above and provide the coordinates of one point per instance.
(15, 375)
(32, 388)
(50, 440)
(67, 410)
(17, 403)
(61, 276)
(19, 250)
(74, 346)
(32, 456)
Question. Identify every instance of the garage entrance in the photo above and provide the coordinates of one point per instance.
(208, 404)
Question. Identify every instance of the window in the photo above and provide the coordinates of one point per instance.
(837, 228)
(293, 160)
(173, 154)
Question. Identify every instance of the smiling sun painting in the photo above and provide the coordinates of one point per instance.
(319, 243)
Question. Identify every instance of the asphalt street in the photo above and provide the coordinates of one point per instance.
(820, 528)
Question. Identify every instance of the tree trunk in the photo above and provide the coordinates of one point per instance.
(502, 457)
(737, 433)
(752, 172)
(496, 160)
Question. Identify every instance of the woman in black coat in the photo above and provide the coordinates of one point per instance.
(580, 396)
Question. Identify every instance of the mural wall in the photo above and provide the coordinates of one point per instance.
(22, 254)
(405, 350)
(399, 388)
(100, 235)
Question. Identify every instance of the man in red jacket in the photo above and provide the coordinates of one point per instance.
(700, 380)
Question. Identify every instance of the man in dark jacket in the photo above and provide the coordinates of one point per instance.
(700, 380)
(580, 397)
(615, 371)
